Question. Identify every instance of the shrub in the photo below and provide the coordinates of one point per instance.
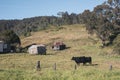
(116, 43)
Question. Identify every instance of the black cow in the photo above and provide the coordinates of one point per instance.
(82, 59)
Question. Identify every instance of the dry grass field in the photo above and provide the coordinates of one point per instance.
(21, 66)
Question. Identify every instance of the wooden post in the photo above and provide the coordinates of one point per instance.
(75, 67)
(54, 67)
(110, 68)
(38, 66)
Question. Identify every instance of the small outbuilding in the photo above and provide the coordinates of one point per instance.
(37, 49)
(58, 46)
(4, 47)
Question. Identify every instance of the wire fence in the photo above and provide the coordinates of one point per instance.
(12, 61)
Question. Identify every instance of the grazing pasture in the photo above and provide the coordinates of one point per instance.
(57, 65)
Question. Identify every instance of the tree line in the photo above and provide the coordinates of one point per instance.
(27, 25)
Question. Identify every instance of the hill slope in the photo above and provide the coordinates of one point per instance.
(63, 33)
(22, 66)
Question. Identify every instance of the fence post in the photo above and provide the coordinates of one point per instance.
(110, 67)
(38, 66)
(54, 67)
(75, 67)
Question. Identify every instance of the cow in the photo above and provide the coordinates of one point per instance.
(82, 59)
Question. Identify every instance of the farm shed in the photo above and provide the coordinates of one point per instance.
(37, 49)
(58, 46)
(4, 47)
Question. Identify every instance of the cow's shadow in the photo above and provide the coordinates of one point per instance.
(50, 54)
(90, 65)
(67, 47)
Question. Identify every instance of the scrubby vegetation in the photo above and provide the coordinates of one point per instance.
(116, 43)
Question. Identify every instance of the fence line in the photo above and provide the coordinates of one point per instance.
(37, 66)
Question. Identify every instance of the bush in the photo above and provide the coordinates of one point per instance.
(11, 38)
(116, 44)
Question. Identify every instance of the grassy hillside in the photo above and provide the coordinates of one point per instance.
(21, 66)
